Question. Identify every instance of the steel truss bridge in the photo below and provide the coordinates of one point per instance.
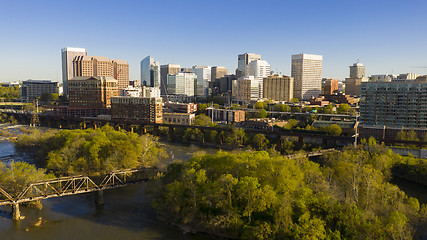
(73, 185)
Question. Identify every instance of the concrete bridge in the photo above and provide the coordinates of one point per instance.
(72, 185)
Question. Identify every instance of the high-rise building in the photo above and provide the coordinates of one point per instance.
(148, 109)
(121, 73)
(150, 72)
(182, 84)
(307, 74)
(357, 76)
(243, 61)
(92, 92)
(68, 55)
(87, 66)
(357, 70)
(170, 69)
(393, 105)
(278, 88)
(203, 74)
(331, 86)
(218, 72)
(259, 69)
(247, 89)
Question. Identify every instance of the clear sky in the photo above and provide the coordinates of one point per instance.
(388, 36)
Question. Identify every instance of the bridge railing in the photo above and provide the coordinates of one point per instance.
(64, 186)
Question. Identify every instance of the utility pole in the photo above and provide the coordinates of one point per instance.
(355, 132)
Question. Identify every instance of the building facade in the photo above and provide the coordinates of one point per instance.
(307, 73)
(278, 88)
(68, 54)
(218, 72)
(33, 89)
(165, 70)
(357, 76)
(180, 107)
(243, 61)
(150, 72)
(179, 118)
(400, 105)
(203, 74)
(137, 109)
(226, 115)
(92, 92)
(246, 89)
(259, 69)
(182, 84)
(331, 86)
(88, 66)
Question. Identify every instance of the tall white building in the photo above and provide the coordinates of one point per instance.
(260, 69)
(182, 84)
(203, 74)
(68, 55)
(150, 72)
(307, 74)
(243, 61)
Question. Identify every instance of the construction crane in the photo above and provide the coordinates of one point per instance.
(117, 75)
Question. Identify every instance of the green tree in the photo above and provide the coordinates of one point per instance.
(295, 109)
(333, 130)
(343, 108)
(294, 100)
(262, 113)
(259, 105)
(328, 109)
(260, 142)
(203, 120)
(201, 108)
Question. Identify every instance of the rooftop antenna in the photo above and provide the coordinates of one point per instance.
(358, 60)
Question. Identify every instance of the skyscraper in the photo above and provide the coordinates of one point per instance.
(218, 72)
(87, 66)
(260, 69)
(150, 72)
(243, 61)
(165, 70)
(357, 76)
(278, 88)
(68, 55)
(307, 74)
(203, 74)
(182, 84)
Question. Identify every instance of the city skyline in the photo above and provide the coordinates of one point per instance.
(368, 30)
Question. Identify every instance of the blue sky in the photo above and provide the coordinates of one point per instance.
(387, 36)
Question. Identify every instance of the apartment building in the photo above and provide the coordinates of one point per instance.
(137, 109)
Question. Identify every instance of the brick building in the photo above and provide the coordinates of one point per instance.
(92, 92)
(226, 115)
(137, 108)
(86, 66)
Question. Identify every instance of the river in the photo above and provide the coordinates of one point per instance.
(126, 214)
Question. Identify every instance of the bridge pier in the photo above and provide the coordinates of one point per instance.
(99, 197)
(16, 214)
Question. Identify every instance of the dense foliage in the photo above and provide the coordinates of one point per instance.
(91, 151)
(254, 195)
(17, 175)
(9, 93)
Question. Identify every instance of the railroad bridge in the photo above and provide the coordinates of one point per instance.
(72, 185)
